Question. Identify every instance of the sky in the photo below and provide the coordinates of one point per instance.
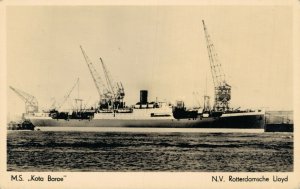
(161, 49)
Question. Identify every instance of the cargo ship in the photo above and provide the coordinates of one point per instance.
(150, 114)
(111, 110)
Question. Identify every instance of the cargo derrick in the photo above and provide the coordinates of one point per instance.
(105, 101)
(116, 91)
(222, 89)
(55, 111)
(66, 97)
(31, 103)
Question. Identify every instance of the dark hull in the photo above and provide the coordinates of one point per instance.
(279, 127)
(245, 121)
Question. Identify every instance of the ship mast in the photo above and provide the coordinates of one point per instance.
(222, 89)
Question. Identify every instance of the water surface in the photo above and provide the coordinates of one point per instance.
(94, 151)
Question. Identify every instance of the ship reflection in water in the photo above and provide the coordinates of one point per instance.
(165, 150)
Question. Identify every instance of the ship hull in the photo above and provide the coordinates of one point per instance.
(255, 121)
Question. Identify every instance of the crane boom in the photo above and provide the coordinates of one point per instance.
(108, 79)
(31, 103)
(215, 65)
(109, 97)
(95, 75)
(115, 89)
(222, 89)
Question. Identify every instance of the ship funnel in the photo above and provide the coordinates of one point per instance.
(143, 97)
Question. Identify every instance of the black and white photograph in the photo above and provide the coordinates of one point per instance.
(148, 89)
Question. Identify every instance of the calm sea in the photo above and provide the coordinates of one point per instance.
(145, 150)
